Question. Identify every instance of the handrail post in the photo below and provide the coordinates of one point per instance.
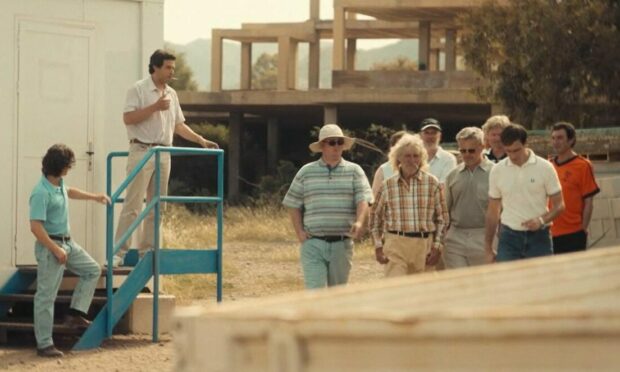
(220, 220)
(156, 245)
(109, 279)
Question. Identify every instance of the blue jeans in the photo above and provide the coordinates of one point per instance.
(515, 245)
(49, 275)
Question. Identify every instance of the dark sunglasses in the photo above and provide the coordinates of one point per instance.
(334, 142)
(468, 151)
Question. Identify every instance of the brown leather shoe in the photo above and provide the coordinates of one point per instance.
(50, 352)
(76, 321)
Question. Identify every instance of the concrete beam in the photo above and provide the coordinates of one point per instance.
(273, 141)
(424, 45)
(235, 132)
(450, 49)
(216, 61)
(246, 66)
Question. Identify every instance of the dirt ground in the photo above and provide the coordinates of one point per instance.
(250, 270)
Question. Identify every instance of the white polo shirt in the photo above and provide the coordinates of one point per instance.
(524, 190)
(441, 164)
(159, 127)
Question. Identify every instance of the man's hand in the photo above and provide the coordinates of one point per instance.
(102, 199)
(532, 224)
(60, 255)
(208, 144)
(356, 230)
(302, 236)
(490, 254)
(380, 257)
(163, 103)
(433, 257)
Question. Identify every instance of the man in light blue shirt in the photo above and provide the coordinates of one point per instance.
(54, 249)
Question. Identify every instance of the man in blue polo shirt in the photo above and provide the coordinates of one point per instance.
(54, 249)
(328, 201)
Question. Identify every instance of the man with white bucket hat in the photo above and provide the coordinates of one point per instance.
(328, 200)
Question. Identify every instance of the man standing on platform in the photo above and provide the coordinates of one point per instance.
(570, 229)
(520, 188)
(152, 116)
(467, 190)
(328, 201)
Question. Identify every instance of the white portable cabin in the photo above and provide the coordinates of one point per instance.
(67, 65)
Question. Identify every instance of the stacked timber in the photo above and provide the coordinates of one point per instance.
(558, 313)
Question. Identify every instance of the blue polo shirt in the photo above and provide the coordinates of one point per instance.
(48, 203)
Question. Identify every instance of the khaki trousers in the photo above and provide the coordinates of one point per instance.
(143, 185)
(464, 247)
(407, 255)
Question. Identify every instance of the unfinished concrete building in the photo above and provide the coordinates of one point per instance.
(440, 88)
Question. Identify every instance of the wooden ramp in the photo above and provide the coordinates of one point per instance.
(558, 313)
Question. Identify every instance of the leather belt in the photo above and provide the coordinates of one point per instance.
(60, 238)
(417, 234)
(331, 238)
(146, 144)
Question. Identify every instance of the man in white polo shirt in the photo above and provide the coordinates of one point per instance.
(440, 161)
(521, 187)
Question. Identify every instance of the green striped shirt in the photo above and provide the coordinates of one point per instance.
(328, 196)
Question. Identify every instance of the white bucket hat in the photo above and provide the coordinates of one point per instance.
(331, 131)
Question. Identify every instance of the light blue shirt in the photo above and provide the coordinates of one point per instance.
(49, 204)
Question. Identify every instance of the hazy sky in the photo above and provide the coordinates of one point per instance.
(187, 20)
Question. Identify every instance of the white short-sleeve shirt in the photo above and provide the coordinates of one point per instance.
(159, 127)
(524, 190)
(442, 164)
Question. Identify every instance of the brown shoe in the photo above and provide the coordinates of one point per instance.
(50, 352)
(76, 321)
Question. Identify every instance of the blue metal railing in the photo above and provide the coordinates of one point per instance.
(113, 247)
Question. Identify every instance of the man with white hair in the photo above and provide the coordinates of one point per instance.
(328, 201)
(467, 189)
(409, 214)
(492, 129)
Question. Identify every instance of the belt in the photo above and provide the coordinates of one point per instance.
(421, 234)
(60, 238)
(146, 144)
(331, 238)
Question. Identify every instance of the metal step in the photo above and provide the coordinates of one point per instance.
(32, 269)
(24, 297)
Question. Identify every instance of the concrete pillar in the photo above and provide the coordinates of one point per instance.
(314, 64)
(351, 51)
(339, 36)
(284, 51)
(235, 131)
(424, 46)
(330, 114)
(246, 66)
(315, 10)
(216, 62)
(292, 65)
(450, 49)
(272, 145)
(434, 60)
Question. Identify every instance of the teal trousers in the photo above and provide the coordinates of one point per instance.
(324, 263)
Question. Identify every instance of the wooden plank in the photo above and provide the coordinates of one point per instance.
(29, 327)
(21, 297)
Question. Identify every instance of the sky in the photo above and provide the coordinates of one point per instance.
(187, 20)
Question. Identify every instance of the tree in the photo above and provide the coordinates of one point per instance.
(546, 60)
(183, 73)
(265, 72)
(399, 64)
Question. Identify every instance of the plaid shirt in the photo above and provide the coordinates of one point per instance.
(415, 206)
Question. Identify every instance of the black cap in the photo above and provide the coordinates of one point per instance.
(430, 123)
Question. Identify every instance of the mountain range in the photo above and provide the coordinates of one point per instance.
(198, 56)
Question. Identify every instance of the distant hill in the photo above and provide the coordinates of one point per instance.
(198, 53)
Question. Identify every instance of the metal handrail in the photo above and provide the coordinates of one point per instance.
(112, 248)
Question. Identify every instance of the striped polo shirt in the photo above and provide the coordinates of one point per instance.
(328, 196)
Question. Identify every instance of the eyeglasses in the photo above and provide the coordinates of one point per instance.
(467, 151)
(334, 142)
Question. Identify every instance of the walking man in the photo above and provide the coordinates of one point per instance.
(570, 229)
(467, 190)
(520, 187)
(440, 161)
(55, 250)
(409, 214)
(492, 129)
(152, 115)
(328, 201)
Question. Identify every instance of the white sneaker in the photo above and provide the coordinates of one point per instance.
(116, 261)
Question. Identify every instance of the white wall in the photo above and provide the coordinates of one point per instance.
(126, 33)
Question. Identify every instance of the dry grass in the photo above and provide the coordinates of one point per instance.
(261, 254)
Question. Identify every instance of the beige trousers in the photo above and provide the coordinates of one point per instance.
(407, 255)
(143, 185)
(464, 247)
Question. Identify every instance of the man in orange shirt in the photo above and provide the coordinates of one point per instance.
(576, 176)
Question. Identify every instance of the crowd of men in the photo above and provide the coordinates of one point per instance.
(426, 211)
